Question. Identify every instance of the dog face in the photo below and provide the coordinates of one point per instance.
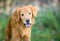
(25, 14)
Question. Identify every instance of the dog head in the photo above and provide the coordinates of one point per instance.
(25, 14)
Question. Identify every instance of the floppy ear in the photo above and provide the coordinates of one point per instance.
(16, 15)
(34, 10)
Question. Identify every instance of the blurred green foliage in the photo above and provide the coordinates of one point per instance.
(46, 27)
(3, 23)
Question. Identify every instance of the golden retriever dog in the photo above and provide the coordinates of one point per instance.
(19, 26)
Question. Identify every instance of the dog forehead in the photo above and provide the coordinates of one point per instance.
(25, 9)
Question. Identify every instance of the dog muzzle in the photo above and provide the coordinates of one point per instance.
(27, 25)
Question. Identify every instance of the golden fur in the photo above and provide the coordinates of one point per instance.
(15, 30)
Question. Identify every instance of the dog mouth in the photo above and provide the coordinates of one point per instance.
(27, 25)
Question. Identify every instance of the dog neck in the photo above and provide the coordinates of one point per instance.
(22, 28)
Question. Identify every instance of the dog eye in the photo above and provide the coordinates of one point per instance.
(22, 14)
(29, 13)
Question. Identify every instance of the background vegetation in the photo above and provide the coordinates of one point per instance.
(47, 26)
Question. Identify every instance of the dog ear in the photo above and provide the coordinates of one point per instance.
(16, 15)
(34, 10)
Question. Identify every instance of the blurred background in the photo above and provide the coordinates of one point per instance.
(47, 26)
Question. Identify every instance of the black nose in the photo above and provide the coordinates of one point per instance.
(27, 20)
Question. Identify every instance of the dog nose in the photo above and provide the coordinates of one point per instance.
(27, 20)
